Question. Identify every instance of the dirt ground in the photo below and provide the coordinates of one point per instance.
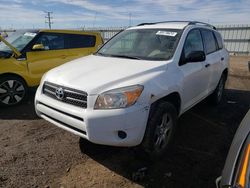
(34, 153)
(239, 72)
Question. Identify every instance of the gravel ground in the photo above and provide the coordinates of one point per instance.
(34, 153)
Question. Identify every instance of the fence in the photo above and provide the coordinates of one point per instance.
(107, 33)
(236, 37)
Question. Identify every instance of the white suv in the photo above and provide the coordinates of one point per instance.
(133, 89)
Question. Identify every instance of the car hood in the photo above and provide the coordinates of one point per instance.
(95, 74)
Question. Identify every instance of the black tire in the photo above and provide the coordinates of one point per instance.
(216, 97)
(160, 131)
(13, 90)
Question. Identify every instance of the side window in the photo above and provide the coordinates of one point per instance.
(51, 41)
(193, 42)
(80, 41)
(219, 40)
(209, 41)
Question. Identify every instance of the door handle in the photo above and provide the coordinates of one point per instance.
(207, 65)
(21, 59)
(222, 59)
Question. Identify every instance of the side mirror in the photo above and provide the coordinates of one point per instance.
(38, 47)
(195, 56)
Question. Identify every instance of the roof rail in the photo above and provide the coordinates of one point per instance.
(152, 23)
(188, 23)
(201, 23)
(141, 24)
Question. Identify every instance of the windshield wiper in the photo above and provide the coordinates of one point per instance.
(101, 54)
(116, 55)
(124, 56)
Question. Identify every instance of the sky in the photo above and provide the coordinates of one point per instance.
(23, 14)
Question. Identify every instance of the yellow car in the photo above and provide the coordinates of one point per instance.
(26, 55)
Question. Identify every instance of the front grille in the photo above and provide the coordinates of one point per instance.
(65, 94)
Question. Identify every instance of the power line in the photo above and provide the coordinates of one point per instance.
(130, 19)
(94, 20)
(48, 18)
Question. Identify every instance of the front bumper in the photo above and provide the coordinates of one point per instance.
(97, 126)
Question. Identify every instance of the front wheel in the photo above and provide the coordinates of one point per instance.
(13, 90)
(160, 130)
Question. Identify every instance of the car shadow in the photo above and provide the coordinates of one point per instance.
(25, 111)
(203, 138)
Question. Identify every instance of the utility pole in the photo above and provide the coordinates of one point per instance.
(48, 18)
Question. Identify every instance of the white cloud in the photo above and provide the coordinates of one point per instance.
(207, 10)
(16, 14)
(86, 12)
(94, 7)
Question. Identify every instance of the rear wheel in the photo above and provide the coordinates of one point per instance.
(216, 96)
(160, 130)
(13, 90)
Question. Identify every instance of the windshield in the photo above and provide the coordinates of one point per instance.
(147, 44)
(19, 40)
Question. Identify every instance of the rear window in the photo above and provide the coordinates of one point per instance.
(79, 41)
(219, 40)
(209, 41)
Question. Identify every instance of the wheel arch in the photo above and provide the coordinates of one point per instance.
(173, 98)
(13, 74)
(225, 72)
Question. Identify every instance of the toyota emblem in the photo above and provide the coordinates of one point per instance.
(59, 93)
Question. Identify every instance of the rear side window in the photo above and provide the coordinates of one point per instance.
(219, 40)
(79, 41)
(209, 41)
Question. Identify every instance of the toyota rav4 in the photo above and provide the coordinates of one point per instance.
(132, 90)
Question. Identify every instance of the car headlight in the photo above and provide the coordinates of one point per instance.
(119, 98)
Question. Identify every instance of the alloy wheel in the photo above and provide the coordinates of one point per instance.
(11, 92)
(163, 133)
(220, 89)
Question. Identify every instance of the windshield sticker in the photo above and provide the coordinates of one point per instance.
(28, 34)
(167, 33)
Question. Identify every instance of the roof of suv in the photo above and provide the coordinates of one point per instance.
(172, 25)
